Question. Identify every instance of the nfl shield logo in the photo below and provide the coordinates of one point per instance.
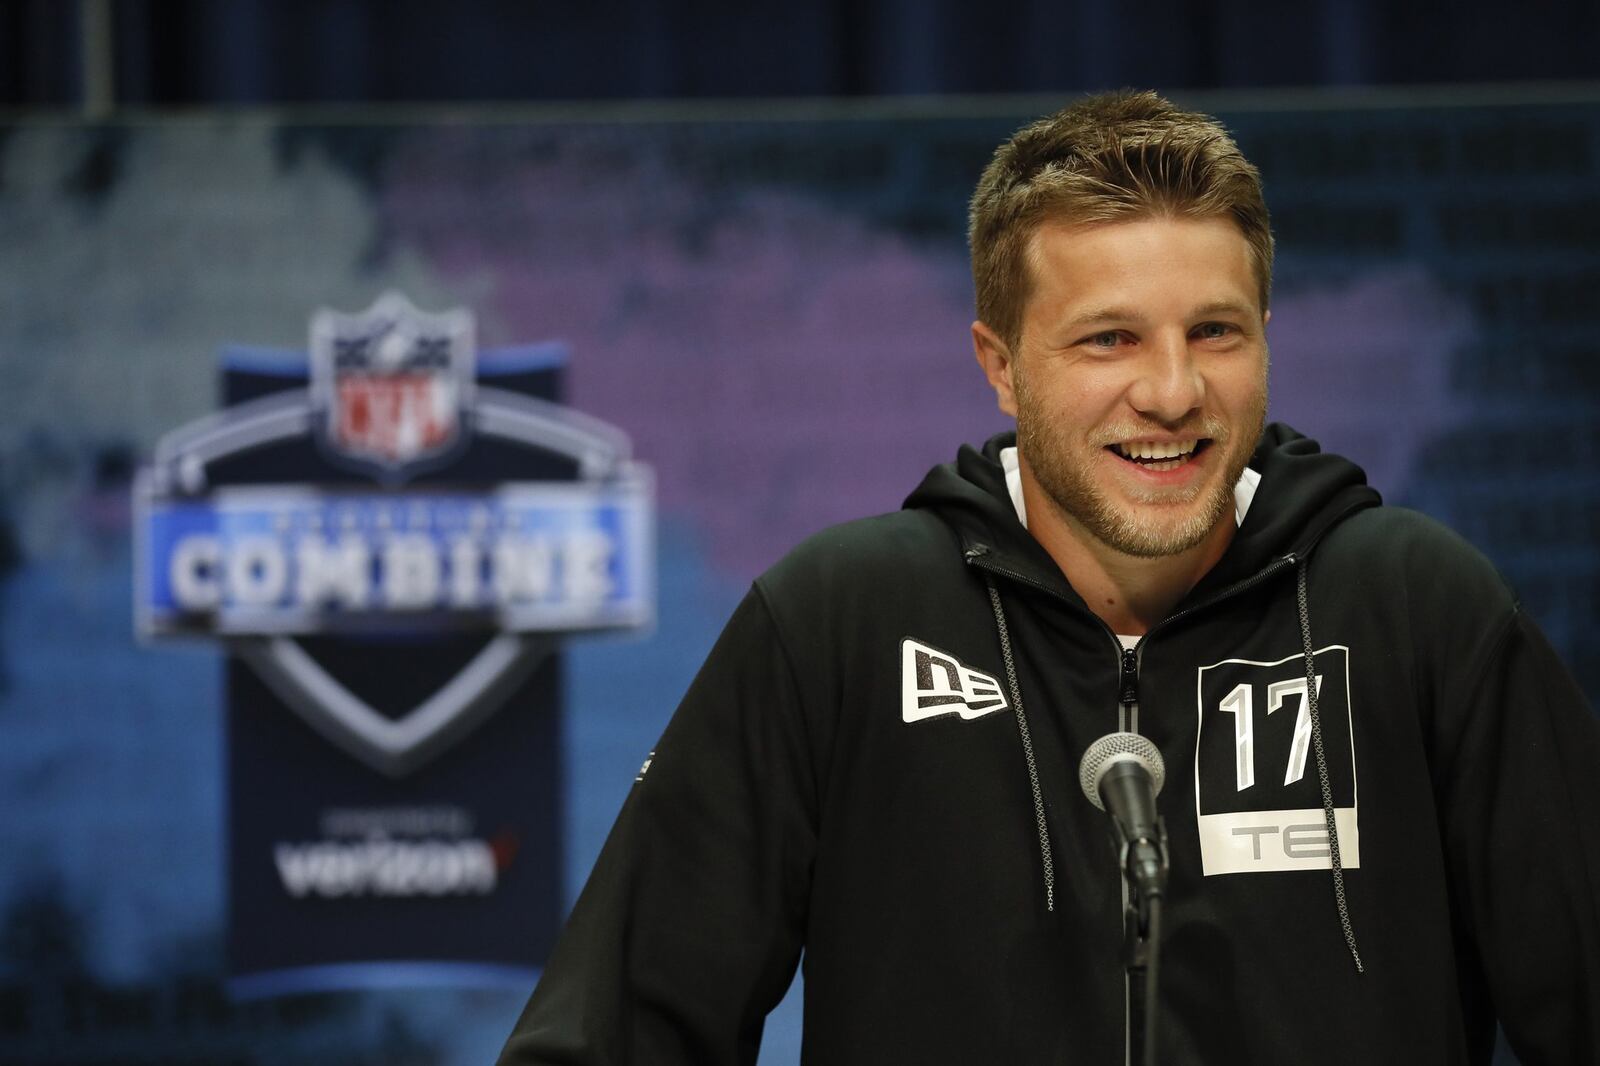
(390, 384)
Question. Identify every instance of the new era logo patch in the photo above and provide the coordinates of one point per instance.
(935, 683)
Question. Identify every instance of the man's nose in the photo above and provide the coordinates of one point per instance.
(1169, 387)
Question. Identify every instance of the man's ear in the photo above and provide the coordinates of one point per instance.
(996, 360)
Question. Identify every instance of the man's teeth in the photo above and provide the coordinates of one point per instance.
(1149, 449)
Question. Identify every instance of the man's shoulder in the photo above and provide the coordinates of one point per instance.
(1402, 545)
(1392, 530)
(878, 550)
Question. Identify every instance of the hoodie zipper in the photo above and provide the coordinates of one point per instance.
(1128, 689)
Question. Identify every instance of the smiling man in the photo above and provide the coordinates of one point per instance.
(1381, 812)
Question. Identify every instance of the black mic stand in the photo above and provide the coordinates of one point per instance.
(1141, 926)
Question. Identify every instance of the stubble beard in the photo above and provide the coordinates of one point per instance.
(1145, 533)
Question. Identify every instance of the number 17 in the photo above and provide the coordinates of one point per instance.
(1241, 704)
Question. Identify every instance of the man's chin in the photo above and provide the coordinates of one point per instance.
(1155, 530)
(1153, 543)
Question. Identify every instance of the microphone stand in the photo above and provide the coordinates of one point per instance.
(1142, 939)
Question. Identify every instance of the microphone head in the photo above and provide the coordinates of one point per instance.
(1115, 748)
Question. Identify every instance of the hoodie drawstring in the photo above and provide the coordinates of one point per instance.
(1322, 765)
(1027, 748)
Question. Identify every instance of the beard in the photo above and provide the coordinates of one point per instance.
(1153, 523)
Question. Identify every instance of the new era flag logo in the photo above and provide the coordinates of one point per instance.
(934, 683)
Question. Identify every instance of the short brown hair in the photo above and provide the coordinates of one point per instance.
(1108, 157)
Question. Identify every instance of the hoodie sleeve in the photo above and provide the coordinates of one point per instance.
(691, 924)
(1520, 810)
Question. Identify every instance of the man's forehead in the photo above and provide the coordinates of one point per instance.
(1055, 236)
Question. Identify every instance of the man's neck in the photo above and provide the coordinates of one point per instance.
(1129, 593)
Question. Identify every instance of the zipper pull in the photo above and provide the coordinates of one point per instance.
(1128, 687)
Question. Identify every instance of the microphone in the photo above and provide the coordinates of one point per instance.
(1122, 773)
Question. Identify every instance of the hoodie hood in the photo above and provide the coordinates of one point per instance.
(1304, 492)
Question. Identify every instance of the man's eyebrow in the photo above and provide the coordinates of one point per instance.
(1103, 314)
(1113, 313)
(1222, 307)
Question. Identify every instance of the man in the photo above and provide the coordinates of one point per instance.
(1381, 801)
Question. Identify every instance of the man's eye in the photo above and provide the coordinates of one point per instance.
(1107, 339)
(1213, 331)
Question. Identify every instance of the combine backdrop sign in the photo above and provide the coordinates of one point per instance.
(392, 534)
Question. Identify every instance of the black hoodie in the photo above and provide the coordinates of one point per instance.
(878, 765)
